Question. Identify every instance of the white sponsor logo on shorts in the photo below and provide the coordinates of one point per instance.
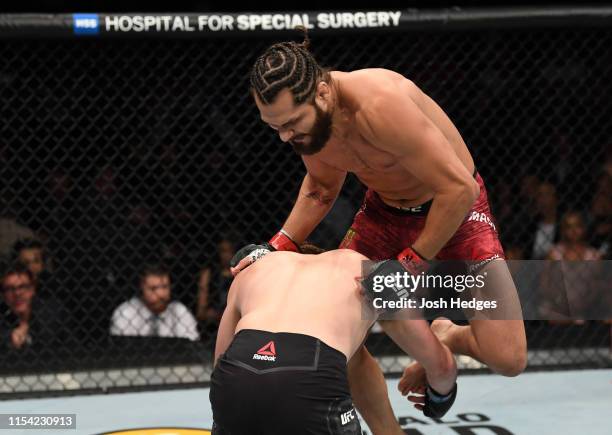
(347, 417)
(481, 217)
(264, 357)
(476, 266)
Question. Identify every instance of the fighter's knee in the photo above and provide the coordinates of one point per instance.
(512, 368)
(511, 362)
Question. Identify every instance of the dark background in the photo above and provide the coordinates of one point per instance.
(233, 6)
(120, 152)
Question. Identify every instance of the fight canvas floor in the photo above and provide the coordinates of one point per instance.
(559, 403)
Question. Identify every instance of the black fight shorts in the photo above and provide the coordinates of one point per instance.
(281, 383)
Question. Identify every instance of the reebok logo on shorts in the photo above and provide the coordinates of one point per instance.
(480, 264)
(266, 353)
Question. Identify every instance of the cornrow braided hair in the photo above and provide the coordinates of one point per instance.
(286, 65)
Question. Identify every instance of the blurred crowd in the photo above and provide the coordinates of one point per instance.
(53, 300)
(553, 215)
(35, 310)
(536, 224)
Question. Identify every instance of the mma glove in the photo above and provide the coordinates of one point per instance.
(280, 242)
(436, 404)
(382, 282)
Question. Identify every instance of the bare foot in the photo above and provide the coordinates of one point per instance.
(441, 327)
(414, 379)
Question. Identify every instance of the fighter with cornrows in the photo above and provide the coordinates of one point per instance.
(425, 199)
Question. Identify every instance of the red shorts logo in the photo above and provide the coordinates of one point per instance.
(348, 238)
(266, 353)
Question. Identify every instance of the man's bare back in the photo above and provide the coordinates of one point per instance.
(308, 315)
(350, 150)
(316, 295)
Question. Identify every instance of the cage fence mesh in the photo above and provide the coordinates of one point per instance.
(117, 154)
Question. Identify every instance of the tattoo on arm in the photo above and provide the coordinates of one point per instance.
(318, 196)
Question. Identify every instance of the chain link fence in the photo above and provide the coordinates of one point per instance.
(123, 156)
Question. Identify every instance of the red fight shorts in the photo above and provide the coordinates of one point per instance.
(380, 231)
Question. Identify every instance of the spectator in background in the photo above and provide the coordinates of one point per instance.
(573, 245)
(60, 212)
(576, 282)
(103, 213)
(516, 208)
(29, 319)
(600, 216)
(30, 252)
(546, 226)
(516, 217)
(528, 193)
(566, 160)
(601, 220)
(514, 252)
(153, 313)
(10, 232)
(213, 286)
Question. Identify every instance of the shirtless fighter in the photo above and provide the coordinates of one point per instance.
(285, 339)
(425, 199)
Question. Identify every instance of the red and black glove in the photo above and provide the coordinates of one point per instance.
(282, 242)
(279, 242)
(407, 261)
(412, 261)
